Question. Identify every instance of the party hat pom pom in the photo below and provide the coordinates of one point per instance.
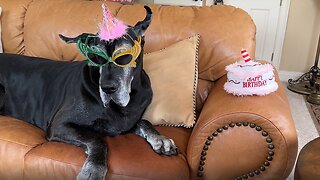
(245, 55)
(110, 28)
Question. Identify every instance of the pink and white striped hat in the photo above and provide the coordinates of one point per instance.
(111, 27)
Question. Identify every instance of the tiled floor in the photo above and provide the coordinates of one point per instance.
(304, 120)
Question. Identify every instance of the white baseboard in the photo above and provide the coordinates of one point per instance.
(286, 75)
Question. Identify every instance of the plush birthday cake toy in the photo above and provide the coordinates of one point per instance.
(248, 77)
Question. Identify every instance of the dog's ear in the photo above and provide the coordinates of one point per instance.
(142, 26)
(75, 39)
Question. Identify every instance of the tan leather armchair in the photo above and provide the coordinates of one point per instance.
(234, 137)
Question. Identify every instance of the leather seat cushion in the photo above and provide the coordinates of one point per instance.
(129, 156)
(16, 140)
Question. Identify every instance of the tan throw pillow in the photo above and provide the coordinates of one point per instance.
(173, 72)
(1, 50)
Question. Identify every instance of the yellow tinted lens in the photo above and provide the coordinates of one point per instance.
(123, 60)
(128, 57)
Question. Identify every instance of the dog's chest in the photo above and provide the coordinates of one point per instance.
(112, 122)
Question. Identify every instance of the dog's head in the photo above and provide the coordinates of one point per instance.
(118, 60)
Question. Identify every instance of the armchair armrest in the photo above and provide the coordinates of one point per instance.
(242, 137)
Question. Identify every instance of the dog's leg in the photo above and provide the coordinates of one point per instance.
(159, 143)
(94, 167)
(2, 91)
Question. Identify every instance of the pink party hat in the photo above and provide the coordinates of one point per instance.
(110, 28)
(245, 55)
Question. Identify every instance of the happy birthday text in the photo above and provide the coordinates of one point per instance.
(254, 82)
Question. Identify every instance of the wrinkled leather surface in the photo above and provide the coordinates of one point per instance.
(12, 18)
(25, 153)
(308, 163)
(203, 90)
(16, 140)
(271, 112)
(129, 156)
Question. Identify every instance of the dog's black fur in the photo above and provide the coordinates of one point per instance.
(65, 100)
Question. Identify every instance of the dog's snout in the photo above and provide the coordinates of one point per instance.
(110, 88)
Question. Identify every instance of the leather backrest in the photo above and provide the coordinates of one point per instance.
(32, 28)
(12, 20)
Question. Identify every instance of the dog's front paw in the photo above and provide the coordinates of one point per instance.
(92, 172)
(163, 145)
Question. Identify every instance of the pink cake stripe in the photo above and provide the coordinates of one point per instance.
(271, 78)
(244, 92)
(235, 82)
(246, 74)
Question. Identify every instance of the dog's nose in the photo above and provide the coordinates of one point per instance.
(109, 88)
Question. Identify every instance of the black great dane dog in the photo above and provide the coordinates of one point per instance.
(80, 102)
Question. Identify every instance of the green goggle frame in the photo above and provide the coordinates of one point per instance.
(118, 53)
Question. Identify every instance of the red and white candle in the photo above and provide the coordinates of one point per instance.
(245, 55)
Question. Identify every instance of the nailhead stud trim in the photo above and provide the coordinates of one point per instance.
(208, 142)
(262, 168)
(269, 140)
(264, 133)
(204, 153)
(271, 146)
(220, 130)
(210, 138)
(269, 158)
(202, 163)
(271, 153)
(258, 128)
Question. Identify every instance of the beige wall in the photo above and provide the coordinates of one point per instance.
(302, 34)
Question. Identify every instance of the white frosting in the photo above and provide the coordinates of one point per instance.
(251, 78)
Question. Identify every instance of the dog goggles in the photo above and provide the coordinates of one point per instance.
(122, 56)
